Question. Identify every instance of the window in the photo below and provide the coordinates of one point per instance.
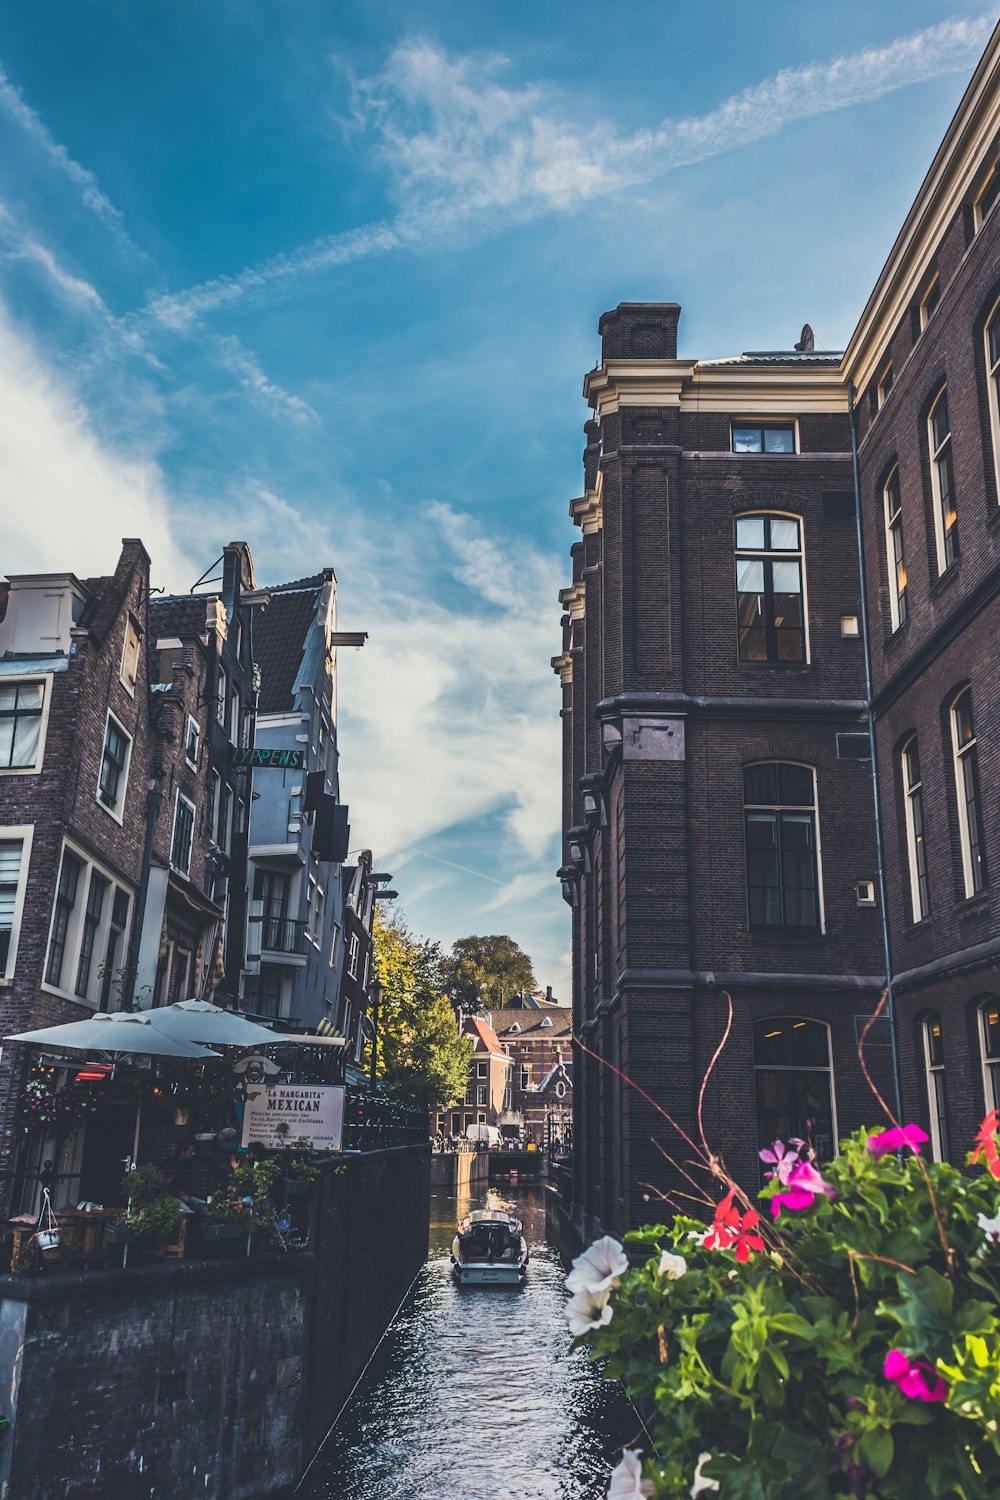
(943, 482)
(113, 948)
(930, 300)
(937, 1097)
(884, 385)
(793, 1083)
(222, 697)
(130, 656)
(482, 1070)
(69, 880)
(894, 549)
(776, 437)
(989, 1016)
(916, 851)
(506, 1098)
(560, 1090)
(355, 951)
(779, 802)
(481, 1093)
(97, 890)
(470, 1094)
(114, 767)
(180, 848)
(192, 745)
(525, 1078)
(225, 819)
(13, 875)
(993, 381)
(769, 610)
(265, 999)
(987, 197)
(21, 705)
(966, 758)
(235, 718)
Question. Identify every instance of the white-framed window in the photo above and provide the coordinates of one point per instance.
(770, 590)
(929, 299)
(943, 482)
(937, 1094)
(782, 847)
(560, 1090)
(986, 197)
(335, 932)
(992, 335)
(965, 751)
(793, 1079)
(989, 1034)
(525, 1078)
(235, 718)
(482, 1070)
(112, 779)
(894, 552)
(183, 834)
(222, 696)
(87, 935)
(353, 956)
(481, 1093)
(763, 437)
(916, 850)
(192, 744)
(23, 715)
(15, 853)
(884, 384)
(130, 656)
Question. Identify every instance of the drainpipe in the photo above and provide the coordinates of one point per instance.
(876, 799)
(154, 800)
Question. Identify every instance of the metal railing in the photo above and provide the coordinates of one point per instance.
(279, 934)
(373, 1121)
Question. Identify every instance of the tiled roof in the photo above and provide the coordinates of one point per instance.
(178, 614)
(787, 357)
(315, 582)
(279, 635)
(482, 1033)
(532, 1022)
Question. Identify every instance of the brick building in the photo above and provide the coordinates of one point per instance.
(537, 1037)
(720, 831)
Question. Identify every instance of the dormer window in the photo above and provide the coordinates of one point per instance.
(775, 437)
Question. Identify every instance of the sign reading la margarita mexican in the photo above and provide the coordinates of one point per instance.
(311, 1112)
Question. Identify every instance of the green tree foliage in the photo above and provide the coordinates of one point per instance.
(421, 1056)
(489, 971)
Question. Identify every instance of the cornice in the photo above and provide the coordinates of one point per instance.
(573, 599)
(587, 510)
(563, 667)
(737, 390)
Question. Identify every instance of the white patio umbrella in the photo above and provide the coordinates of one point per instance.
(120, 1031)
(201, 1021)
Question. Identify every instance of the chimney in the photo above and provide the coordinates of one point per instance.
(640, 330)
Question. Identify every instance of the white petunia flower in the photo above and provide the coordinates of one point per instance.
(701, 1484)
(991, 1228)
(627, 1482)
(671, 1266)
(588, 1310)
(598, 1267)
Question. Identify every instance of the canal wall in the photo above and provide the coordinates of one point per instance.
(460, 1171)
(213, 1378)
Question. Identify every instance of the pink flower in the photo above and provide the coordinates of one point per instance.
(896, 1139)
(803, 1185)
(918, 1381)
(782, 1158)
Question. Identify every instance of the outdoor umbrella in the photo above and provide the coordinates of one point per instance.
(120, 1031)
(201, 1021)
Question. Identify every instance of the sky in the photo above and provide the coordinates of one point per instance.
(325, 277)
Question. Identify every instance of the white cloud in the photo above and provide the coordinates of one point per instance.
(73, 288)
(466, 154)
(68, 497)
(242, 363)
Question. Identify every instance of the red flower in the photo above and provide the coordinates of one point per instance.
(986, 1143)
(732, 1231)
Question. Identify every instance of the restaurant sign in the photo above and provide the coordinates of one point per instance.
(260, 757)
(312, 1112)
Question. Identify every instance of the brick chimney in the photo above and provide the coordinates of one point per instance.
(640, 330)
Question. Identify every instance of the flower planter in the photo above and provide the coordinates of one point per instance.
(296, 1187)
(214, 1234)
(118, 1234)
(50, 1244)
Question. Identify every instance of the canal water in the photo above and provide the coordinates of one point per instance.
(474, 1393)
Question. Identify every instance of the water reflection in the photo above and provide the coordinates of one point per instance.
(474, 1394)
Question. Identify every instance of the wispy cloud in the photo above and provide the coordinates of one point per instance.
(19, 246)
(242, 363)
(14, 104)
(466, 154)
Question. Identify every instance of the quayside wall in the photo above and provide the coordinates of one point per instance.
(207, 1378)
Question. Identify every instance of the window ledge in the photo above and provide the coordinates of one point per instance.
(795, 934)
(974, 906)
(894, 638)
(945, 580)
(911, 929)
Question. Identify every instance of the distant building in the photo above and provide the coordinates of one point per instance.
(360, 892)
(488, 1093)
(537, 1037)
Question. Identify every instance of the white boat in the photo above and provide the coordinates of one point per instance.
(490, 1249)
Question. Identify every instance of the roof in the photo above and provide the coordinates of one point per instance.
(279, 636)
(565, 1068)
(178, 614)
(483, 1034)
(785, 357)
(533, 1022)
(315, 582)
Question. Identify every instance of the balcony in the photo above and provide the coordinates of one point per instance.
(277, 938)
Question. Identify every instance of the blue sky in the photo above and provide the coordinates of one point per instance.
(326, 277)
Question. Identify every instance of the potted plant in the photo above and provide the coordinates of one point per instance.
(153, 1215)
(301, 1171)
(226, 1219)
(257, 1178)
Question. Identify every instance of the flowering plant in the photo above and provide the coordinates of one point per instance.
(844, 1343)
(60, 1111)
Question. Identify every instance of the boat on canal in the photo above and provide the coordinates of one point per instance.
(490, 1249)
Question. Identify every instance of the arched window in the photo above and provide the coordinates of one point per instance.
(779, 809)
(769, 593)
(937, 1097)
(793, 1082)
(943, 482)
(913, 800)
(966, 759)
(894, 548)
(989, 1020)
(993, 381)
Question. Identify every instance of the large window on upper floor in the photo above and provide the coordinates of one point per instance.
(15, 848)
(989, 1033)
(987, 197)
(113, 777)
(22, 707)
(183, 835)
(943, 482)
(793, 1083)
(767, 437)
(965, 751)
(90, 919)
(895, 558)
(770, 607)
(937, 1093)
(779, 809)
(913, 806)
(992, 334)
(929, 299)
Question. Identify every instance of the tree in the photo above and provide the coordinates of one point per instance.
(489, 971)
(421, 1056)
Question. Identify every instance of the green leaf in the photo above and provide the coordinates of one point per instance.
(876, 1450)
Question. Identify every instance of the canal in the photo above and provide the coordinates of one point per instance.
(474, 1394)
